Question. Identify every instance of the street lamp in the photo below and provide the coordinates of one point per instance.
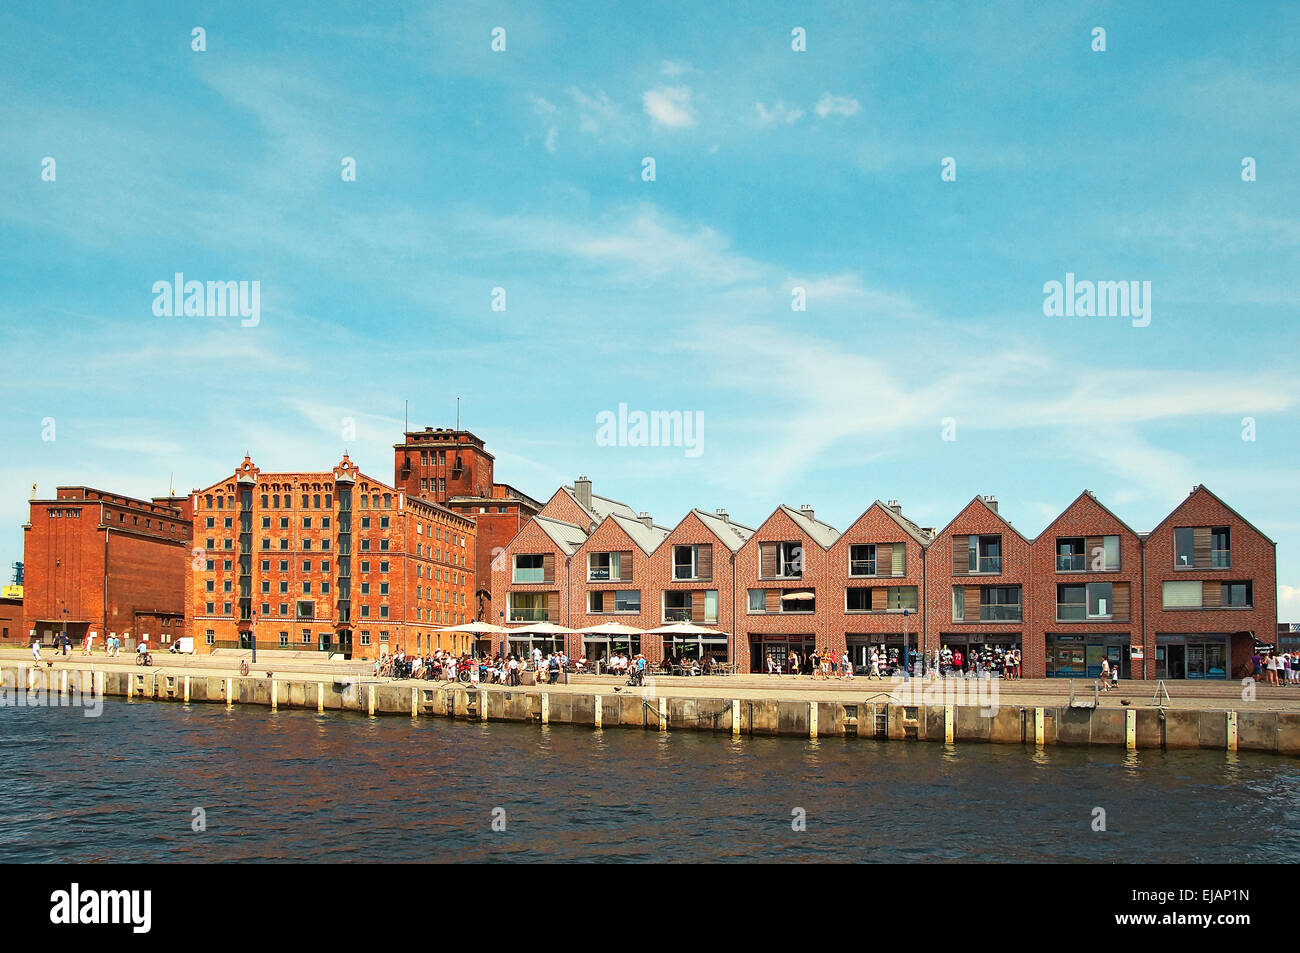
(907, 648)
(252, 634)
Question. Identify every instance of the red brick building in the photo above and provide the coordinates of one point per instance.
(12, 632)
(1085, 602)
(977, 582)
(453, 468)
(1211, 590)
(106, 563)
(875, 572)
(333, 561)
(1087, 588)
(785, 570)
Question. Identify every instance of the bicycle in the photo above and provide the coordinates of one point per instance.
(143, 658)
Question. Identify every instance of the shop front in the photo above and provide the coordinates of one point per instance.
(981, 651)
(1192, 656)
(888, 645)
(523, 644)
(598, 648)
(778, 649)
(1079, 655)
(696, 647)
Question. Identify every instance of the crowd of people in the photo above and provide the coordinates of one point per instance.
(885, 662)
(1276, 668)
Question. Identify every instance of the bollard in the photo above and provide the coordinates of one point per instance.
(482, 705)
(1130, 729)
(275, 694)
(663, 714)
(63, 682)
(812, 719)
(187, 689)
(735, 717)
(130, 685)
(320, 697)
(99, 684)
(1038, 727)
(371, 702)
(230, 692)
(598, 710)
(546, 708)
(949, 732)
(415, 702)
(1232, 731)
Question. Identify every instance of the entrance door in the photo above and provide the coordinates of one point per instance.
(324, 642)
(1115, 654)
(345, 642)
(245, 640)
(1176, 660)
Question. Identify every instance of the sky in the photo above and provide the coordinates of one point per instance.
(502, 242)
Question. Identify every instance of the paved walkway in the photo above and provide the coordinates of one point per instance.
(1045, 692)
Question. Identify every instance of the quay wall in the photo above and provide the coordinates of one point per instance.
(1133, 728)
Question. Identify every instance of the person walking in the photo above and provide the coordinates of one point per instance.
(1105, 675)
(36, 649)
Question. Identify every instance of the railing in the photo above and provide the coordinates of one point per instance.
(529, 615)
(683, 571)
(789, 572)
(677, 615)
(1220, 558)
(999, 613)
(1076, 562)
(529, 575)
(862, 567)
(990, 564)
(1071, 612)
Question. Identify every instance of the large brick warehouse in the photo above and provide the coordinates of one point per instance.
(1190, 599)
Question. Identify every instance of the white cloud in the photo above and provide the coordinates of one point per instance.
(550, 139)
(830, 105)
(594, 109)
(670, 106)
(779, 113)
(542, 106)
(674, 68)
(1288, 603)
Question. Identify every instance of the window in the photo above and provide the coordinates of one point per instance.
(958, 603)
(529, 568)
(1221, 548)
(602, 567)
(306, 609)
(677, 606)
(757, 600)
(1071, 603)
(284, 640)
(985, 554)
(1182, 595)
(383, 521)
(798, 601)
(711, 605)
(1000, 604)
(685, 562)
(901, 597)
(862, 561)
(1238, 595)
(1069, 555)
(858, 599)
(210, 637)
(1184, 547)
(624, 600)
(789, 560)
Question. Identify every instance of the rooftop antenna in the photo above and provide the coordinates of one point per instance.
(171, 483)
(408, 415)
(457, 413)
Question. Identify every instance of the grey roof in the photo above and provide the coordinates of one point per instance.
(602, 506)
(647, 537)
(912, 529)
(823, 534)
(567, 536)
(732, 534)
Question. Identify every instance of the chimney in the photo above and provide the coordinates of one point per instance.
(645, 518)
(929, 531)
(806, 510)
(992, 502)
(582, 491)
(895, 506)
(721, 514)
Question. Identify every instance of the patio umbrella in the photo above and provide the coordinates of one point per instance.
(541, 628)
(611, 628)
(792, 596)
(478, 628)
(685, 628)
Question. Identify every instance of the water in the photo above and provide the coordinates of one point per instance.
(296, 786)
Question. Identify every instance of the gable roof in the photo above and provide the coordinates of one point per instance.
(601, 506)
(647, 537)
(912, 529)
(1202, 488)
(733, 535)
(565, 535)
(1092, 496)
(984, 503)
(823, 534)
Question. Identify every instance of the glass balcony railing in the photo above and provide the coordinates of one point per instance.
(990, 564)
(683, 571)
(1071, 612)
(530, 575)
(862, 567)
(1075, 562)
(999, 613)
(518, 614)
(1220, 559)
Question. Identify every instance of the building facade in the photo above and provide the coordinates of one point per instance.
(333, 561)
(453, 468)
(104, 563)
(1188, 600)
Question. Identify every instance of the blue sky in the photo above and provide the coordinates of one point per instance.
(775, 169)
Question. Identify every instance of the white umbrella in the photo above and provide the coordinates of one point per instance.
(684, 628)
(476, 627)
(542, 628)
(611, 628)
(799, 595)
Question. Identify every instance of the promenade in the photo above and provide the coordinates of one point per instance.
(1031, 693)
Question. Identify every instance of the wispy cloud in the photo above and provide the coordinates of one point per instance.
(779, 113)
(670, 106)
(830, 105)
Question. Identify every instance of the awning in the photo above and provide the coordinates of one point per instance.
(800, 596)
